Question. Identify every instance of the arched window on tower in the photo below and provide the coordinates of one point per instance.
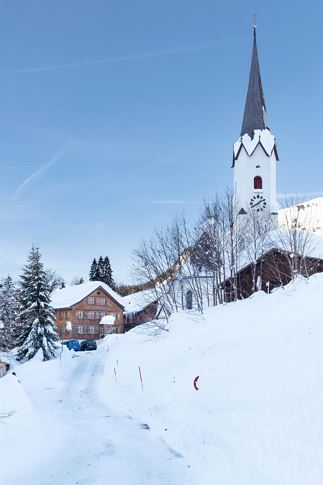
(257, 183)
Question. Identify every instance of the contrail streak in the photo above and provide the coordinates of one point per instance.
(38, 172)
(110, 60)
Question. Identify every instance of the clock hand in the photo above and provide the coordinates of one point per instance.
(256, 204)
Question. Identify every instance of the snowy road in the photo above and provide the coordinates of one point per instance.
(93, 445)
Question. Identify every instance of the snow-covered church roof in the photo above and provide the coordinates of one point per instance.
(255, 130)
(137, 301)
(66, 297)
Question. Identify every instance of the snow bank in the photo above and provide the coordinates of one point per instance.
(257, 416)
(305, 215)
(20, 433)
(24, 442)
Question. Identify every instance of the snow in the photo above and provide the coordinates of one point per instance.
(309, 215)
(64, 434)
(21, 435)
(256, 418)
(70, 295)
(107, 320)
(260, 136)
(257, 415)
(137, 301)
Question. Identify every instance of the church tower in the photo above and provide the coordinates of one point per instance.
(255, 153)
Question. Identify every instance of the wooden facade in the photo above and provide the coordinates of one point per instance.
(272, 270)
(148, 313)
(85, 316)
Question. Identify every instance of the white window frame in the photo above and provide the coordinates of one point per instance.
(101, 301)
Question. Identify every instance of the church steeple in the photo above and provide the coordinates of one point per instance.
(255, 152)
(254, 117)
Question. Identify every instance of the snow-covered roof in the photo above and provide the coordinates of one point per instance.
(263, 137)
(66, 297)
(278, 240)
(107, 320)
(137, 301)
(4, 359)
(254, 116)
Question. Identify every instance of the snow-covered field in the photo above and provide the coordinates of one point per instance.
(257, 417)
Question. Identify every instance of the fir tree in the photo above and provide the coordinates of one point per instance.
(9, 308)
(107, 272)
(36, 316)
(103, 271)
(93, 270)
(100, 269)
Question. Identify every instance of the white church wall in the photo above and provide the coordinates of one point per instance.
(246, 168)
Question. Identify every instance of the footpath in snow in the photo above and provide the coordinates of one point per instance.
(63, 434)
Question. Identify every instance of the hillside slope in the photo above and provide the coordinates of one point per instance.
(258, 414)
(306, 215)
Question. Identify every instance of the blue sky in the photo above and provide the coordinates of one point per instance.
(116, 116)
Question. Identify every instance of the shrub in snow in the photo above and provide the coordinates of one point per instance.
(36, 316)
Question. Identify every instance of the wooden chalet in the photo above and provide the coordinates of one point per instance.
(79, 310)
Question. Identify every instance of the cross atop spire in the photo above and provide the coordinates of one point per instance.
(254, 117)
(254, 22)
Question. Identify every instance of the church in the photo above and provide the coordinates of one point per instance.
(289, 248)
(255, 153)
(256, 250)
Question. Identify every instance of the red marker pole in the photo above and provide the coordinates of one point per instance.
(195, 383)
(142, 386)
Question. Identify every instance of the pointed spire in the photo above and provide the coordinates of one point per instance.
(254, 117)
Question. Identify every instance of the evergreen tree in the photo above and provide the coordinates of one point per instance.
(107, 272)
(36, 316)
(9, 308)
(93, 270)
(100, 270)
(103, 271)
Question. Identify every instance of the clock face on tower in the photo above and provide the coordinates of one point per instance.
(258, 203)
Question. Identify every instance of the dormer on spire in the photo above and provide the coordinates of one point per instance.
(254, 117)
